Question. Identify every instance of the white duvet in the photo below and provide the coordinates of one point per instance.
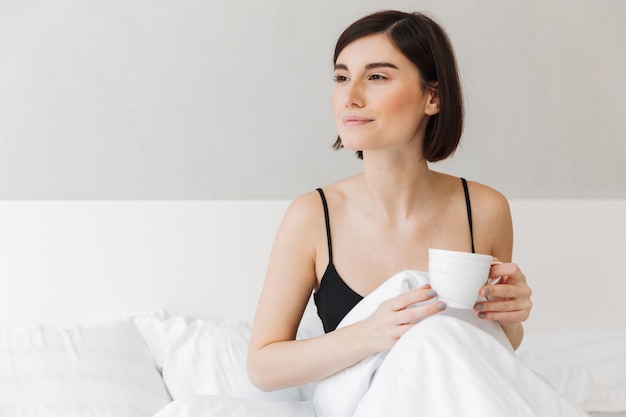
(450, 364)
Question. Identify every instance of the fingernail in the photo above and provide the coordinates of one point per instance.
(482, 315)
(431, 293)
(478, 307)
(485, 292)
(441, 306)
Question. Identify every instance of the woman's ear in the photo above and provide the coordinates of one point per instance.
(432, 95)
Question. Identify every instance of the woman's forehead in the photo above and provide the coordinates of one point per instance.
(368, 49)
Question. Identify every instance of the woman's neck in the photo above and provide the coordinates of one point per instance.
(397, 186)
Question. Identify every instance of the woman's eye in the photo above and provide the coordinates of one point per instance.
(377, 77)
(340, 78)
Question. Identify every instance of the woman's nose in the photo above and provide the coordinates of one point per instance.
(354, 95)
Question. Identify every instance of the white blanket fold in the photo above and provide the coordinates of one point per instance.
(222, 406)
(450, 364)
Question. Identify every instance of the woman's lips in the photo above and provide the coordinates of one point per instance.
(353, 120)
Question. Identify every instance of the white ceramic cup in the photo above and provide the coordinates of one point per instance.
(458, 276)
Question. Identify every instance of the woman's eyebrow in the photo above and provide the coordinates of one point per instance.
(380, 65)
(368, 66)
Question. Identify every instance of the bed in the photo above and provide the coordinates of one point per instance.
(123, 308)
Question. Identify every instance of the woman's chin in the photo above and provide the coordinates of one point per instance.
(353, 145)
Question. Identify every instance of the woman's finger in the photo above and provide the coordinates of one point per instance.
(411, 297)
(506, 305)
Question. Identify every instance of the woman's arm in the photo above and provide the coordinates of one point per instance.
(275, 359)
(509, 300)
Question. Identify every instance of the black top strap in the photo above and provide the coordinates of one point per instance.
(469, 211)
(330, 247)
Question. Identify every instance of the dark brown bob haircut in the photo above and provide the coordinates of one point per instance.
(425, 44)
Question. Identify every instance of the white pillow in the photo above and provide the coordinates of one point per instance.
(103, 370)
(204, 357)
(588, 366)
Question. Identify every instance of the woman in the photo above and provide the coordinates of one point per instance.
(397, 103)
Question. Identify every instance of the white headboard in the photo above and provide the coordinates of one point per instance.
(68, 262)
(573, 252)
(63, 261)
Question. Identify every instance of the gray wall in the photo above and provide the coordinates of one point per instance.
(200, 99)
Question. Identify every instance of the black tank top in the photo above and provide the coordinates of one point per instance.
(334, 298)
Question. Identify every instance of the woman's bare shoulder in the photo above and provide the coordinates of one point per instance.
(487, 200)
(493, 225)
(306, 209)
(336, 192)
(481, 196)
(485, 191)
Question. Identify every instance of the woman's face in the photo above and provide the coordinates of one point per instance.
(378, 99)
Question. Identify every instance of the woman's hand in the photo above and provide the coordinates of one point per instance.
(397, 315)
(508, 301)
